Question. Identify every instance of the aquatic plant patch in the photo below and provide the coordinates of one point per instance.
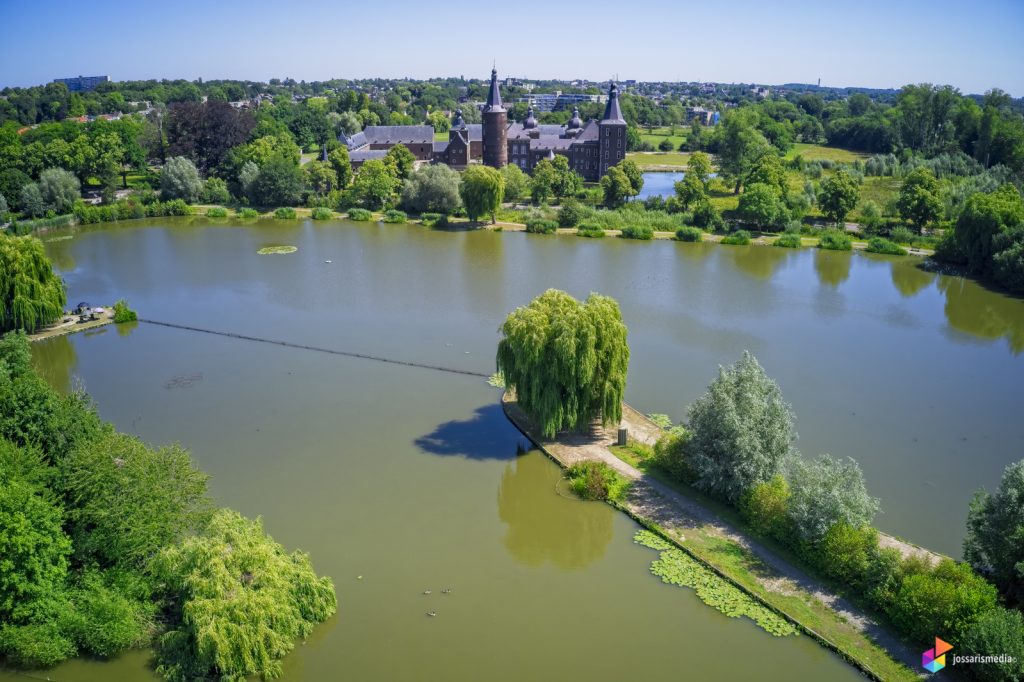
(270, 250)
(676, 567)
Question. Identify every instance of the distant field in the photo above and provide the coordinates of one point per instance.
(440, 137)
(817, 152)
(650, 159)
(658, 135)
(880, 190)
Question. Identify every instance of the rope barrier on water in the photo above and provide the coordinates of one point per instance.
(318, 349)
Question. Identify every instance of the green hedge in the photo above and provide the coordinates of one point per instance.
(322, 213)
(790, 240)
(217, 212)
(590, 231)
(834, 240)
(395, 216)
(247, 213)
(285, 213)
(737, 238)
(642, 232)
(360, 215)
(129, 210)
(540, 226)
(882, 245)
(689, 234)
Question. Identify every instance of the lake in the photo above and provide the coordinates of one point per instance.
(411, 477)
(659, 185)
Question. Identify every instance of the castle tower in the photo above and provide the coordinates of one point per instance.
(495, 127)
(611, 133)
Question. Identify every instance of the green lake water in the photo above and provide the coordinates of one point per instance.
(410, 477)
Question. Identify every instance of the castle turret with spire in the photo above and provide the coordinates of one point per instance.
(611, 132)
(495, 125)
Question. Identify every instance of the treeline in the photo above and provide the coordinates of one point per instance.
(110, 544)
(738, 447)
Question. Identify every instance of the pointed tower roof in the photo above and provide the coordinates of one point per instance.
(612, 111)
(494, 95)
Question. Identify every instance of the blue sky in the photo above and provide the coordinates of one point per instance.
(973, 45)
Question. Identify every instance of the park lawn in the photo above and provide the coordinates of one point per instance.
(817, 152)
(661, 159)
(879, 190)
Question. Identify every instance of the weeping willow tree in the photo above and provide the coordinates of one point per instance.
(566, 360)
(240, 602)
(31, 295)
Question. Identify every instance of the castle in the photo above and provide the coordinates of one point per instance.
(591, 147)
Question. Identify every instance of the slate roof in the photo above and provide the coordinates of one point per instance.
(439, 147)
(612, 111)
(551, 142)
(494, 94)
(361, 155)
(392, 135)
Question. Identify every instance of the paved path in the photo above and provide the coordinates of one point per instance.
(678, 513)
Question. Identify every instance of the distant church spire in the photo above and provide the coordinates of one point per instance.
(612, 111)
(494, 95)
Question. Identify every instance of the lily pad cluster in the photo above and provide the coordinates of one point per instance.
(676, 567)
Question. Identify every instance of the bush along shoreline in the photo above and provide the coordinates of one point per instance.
(819, 510)
(111, 544)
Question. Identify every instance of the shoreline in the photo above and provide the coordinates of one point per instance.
(772, 580)
(64, 328)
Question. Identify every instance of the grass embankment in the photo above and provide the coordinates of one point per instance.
(740, 565)
(651, 161)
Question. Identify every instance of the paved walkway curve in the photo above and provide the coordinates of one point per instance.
(675, 512)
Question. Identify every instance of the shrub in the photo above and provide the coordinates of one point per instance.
(215, 191)
(671, 454)
(834, 240)
(541, 226)
(742, 431)
(901, 235)
(434, 219)
(883, 577)
(947, 599)
(737, 238)
(394, 216)
(689, 234)
(789, 240)
(180, 180)
(217, 212)
(995, 539)
(765, 507)
(827, 491)
(285, 213)
(846, 552)
(322, 213)
(359, 215)
(597, 481)
(881, 245)
(247, 213)
(706, 216)
(122, 313)
(590, 231)
(102, 620)
(570, 214)
(666, 145)
(35, 645)
(642, 232)
(999, 631)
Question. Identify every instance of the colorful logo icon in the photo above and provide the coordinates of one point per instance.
(934, 660)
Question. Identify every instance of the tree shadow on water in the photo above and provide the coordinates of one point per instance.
(488, 434)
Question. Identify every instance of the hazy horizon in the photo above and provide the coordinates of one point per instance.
(874, 44)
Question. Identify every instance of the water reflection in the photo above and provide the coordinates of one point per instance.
(833, 267)
(126, 328)
(479, 437)
(909, 278)
(759, 262)
(970, 308)
(544, 526)
(56, 360)
(59, 250)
